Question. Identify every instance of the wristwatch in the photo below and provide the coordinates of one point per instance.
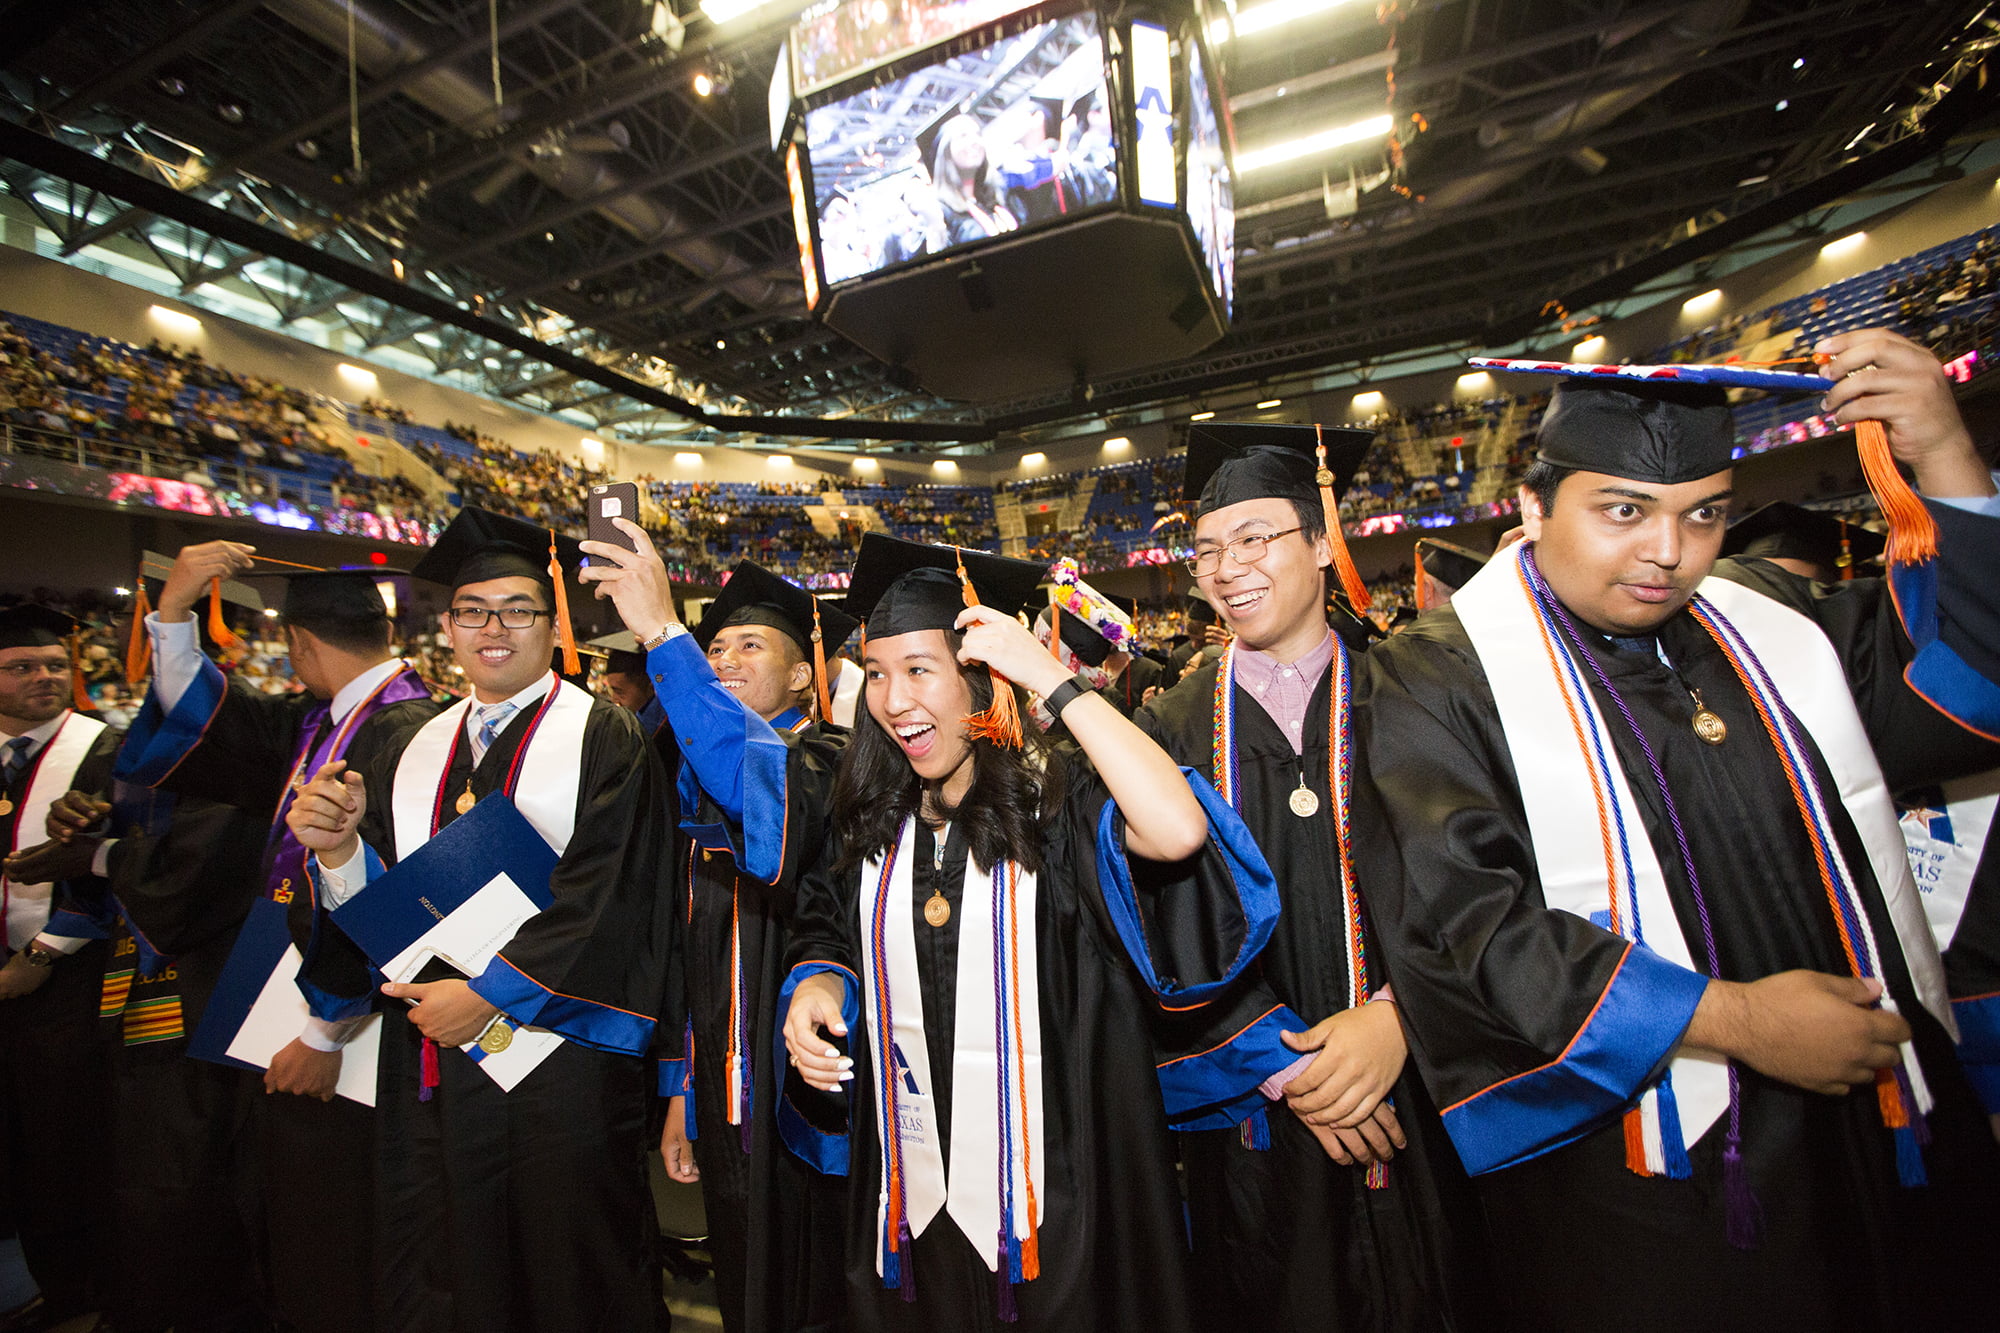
(673, 630)
(36, 956)
(1063, 695)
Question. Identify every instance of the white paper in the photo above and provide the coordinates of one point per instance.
(467, 939)
(280, 1014)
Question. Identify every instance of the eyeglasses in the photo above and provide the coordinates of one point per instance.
(511, 617)
(1248, 550)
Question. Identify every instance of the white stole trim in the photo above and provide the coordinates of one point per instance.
(971, 1196)
(55, 766)
(551, 772)
(1943, 867)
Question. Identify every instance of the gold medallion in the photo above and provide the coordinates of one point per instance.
(497, 1037)
(1304, 801)
(6, 807)
(466, 800)
(1707, 725)
(937, 911)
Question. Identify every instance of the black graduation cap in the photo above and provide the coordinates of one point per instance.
(1229, 462)
(154, 565)
(330, 596)
(1200, 610)
(1663, 432)
(479, 545)
(621, 653)
(1448, 563)
(1788, 531)
(1090, 647)
(1129, 605)
(756, 596)
(30, 625)
(899, 587)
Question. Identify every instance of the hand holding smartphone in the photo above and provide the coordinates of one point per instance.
(618, 499)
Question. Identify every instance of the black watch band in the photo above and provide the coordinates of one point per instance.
(1063, 695)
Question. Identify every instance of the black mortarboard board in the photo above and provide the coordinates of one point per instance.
(1448, 563)
(1229, 462)
(1129, 605)
(323, 596)
(32, 626)
(479, 545)
(1201, 611)
(154, 565)
(1787, 531)
(621, 653)
(756, 596)
(1090, 647)
(899, 586)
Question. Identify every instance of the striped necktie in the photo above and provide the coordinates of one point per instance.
(491, 719)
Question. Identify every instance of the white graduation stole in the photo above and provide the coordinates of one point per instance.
(972, 1194)
(552, 768)
(27, 905)
(1945, 845)
(1560, 782)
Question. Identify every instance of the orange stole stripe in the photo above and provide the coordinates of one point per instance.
(117, 990)
(154, 1020)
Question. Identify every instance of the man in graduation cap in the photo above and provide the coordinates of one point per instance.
(1654, 934)
(742, 695)
(522, 1209)
(1825, 548)
(1297, 1213)
(1442, 568)
(206, 736)
(54, 1079)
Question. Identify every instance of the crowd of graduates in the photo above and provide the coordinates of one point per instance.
(1535, 944)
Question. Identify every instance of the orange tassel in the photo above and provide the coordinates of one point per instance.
(139, 648)
(1889, 1098)
(819, 668)
(1635, 1142)
(1000, 723)
(79, 693)
(218, 628)
(572, 664)
(1419, 591)
(1031, 1253)
(1846, 560)
(1343, 562)
(1913, 534)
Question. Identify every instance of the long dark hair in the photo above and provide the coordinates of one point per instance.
(1013, 791)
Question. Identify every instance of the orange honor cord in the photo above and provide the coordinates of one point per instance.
(139, 647)
(218, 628)
(79, 694)
(819, 668)
(572, 664)
(1343, 562)
(1001, 722)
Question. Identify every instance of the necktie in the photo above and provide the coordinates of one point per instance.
(491, 719)
(16, 762)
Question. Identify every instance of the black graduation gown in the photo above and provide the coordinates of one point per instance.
(1128, 693)
(188, 1226)
(530, 1210)
(1494, 986)
(316, 1158)
(1284, 1237)
(55, 1090)
(774, 1224)
(1112, 1238)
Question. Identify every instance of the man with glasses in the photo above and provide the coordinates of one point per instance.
(204, 736)
(1296, 1208)
(54, 1078)
(526, 1208)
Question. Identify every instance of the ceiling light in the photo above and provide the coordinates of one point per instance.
(1117, 442)
(179, 319)
(866, 465)
(356, 375)
(1590, 348)
(703, 85)
(945, 467)
(1264, 17)
(231, 112)
(687, 460)
(1838, 246)
(1360, 131)
(1270, 403)
(778, 460)
(1372, 401)
(1033, 460)
(726, 11)
(1474, 382)
(1202, 416)
(1696, 304)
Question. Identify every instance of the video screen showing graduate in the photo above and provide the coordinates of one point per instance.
(1211, 196)
(976, 146)
(832, 42)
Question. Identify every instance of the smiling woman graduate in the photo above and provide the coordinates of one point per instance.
(1009, 1157)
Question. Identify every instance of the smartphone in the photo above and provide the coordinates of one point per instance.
(618, 499)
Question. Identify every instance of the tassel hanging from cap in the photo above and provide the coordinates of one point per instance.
(1000, 722)
(218, 628)
(1845, 560)
(1420, 581)
(819, 668)
(1343, 562)
(79, 693)
(1913, 533)
(139, 647)
(572, 664)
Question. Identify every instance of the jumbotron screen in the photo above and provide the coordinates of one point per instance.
(979, 145)
(1211, 199)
